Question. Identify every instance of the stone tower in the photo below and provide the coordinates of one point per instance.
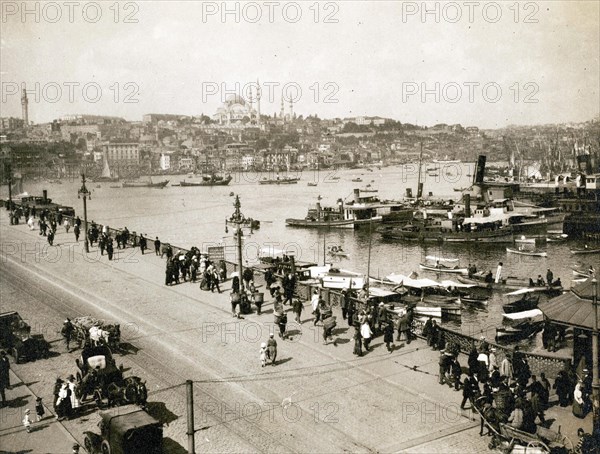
(25, 107)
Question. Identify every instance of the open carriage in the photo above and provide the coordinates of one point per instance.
(89, 331)
(16, 337)
(512, 441)
(100, 379)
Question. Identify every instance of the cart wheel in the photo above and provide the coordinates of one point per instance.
(105, 447)
(536, 446)
(88, 444)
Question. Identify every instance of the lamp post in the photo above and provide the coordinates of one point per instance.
(83, 192)
(238, 218)
(10, 204)
(596, 379)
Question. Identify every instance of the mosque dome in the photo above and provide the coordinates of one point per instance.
(235, 99)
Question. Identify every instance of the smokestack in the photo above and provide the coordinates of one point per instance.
(409, 193)
(480, 169)
(467, 199)
(340, 203)
(25, 107)
(420, 191)
(356, 195)
(318, 210)
(45, 195)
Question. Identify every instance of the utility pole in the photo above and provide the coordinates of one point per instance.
(83, 192)
(595, 379)
(189, 387)
(369, 256)
(10, 204)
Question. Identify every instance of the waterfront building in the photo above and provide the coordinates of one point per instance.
(122, 152)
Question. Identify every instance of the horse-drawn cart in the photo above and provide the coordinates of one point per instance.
(512, 441)
(100, 378)
(89, 331)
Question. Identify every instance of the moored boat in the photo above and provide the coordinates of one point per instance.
(529, 253)
(586, 250)
(439, 268)
(208, 181)
(279, 180)
(145, 184)
(525, 303)
(520, 325)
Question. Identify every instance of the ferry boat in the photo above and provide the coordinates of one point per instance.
(212, 180)
(279, 180)
(145, 184)
(362, 210)
(40, 203)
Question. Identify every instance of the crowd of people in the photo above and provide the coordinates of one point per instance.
(506, 392)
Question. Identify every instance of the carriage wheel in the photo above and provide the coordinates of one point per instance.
(537, 444)
(88, 444)
(105, 447)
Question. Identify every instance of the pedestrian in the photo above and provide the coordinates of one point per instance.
(578, 403)
(75, 449)
(272, 348)
(366, 333)
(456, 372)
(297, 308)
(4, 376)
(470, 390)
(329, 324)
(67, 332)
(76, 231)
(234, 298)
(282, 325)
(67, 225)
(263, 354)
(214, 281)
(315, 306)
(357, 342)
(143, 243)
(102, 244)
(109, 248)
(74, 401)
(549, 277)
(27, 420)
(157, 246)
(248, 275)
(39, 409)
(50, 237)
(289, 285)
(388, 336)
(235, 284)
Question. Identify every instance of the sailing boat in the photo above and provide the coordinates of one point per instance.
(106, 176)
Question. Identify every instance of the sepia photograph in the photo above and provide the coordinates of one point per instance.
(352, 226)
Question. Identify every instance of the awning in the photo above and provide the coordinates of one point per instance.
(414, 283)
(574, 308)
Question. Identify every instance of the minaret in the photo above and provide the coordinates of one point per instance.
(258, 94)
(25, 107)
(282, 112)
(291, 109)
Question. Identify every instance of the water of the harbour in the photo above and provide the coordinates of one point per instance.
(187, 216)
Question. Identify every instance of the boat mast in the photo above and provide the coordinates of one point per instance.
(419, 190)
(369, 257)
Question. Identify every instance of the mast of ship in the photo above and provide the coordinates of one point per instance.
(419, 187)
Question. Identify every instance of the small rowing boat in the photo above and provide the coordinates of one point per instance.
(585, 250)
(439, 268)
(529, 253)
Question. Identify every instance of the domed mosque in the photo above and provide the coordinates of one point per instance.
(235, 110)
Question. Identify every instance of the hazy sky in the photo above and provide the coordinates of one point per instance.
(373, 58)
